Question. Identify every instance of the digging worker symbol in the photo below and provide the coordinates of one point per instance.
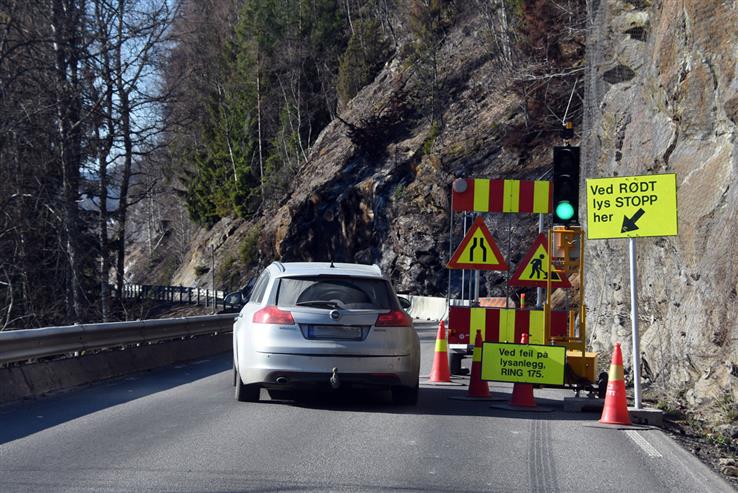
(478, 242)
(537, 266)
(537, 269)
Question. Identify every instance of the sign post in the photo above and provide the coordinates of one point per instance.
(632, 207)
(634, 322)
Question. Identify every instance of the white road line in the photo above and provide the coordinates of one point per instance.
(641, 442)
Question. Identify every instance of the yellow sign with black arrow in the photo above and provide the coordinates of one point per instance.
(631, 206)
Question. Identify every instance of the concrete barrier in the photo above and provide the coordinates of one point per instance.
(36, 379)
(427, 307)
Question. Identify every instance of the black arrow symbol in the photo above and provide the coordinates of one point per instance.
(629, 224)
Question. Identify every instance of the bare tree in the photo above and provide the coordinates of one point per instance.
(131, 33)
(67, 27)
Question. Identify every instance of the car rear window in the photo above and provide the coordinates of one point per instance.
(335, 292)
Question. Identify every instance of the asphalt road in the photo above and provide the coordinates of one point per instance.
(179, 429)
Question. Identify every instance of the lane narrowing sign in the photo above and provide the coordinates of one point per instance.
(478, 250)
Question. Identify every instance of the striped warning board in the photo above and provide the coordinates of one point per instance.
(484, 195)
(502, 324)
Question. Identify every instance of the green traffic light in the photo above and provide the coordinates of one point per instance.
(564, 210)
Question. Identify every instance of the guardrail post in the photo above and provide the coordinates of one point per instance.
(207, 298)
(189, 296)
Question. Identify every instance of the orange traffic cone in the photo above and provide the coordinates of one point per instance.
(477, 386)
(615, 411)
(522, 395)
(440, 371)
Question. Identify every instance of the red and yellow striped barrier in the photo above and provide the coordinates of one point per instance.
(502, 324)
(523, 196)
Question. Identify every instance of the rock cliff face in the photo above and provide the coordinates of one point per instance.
(662, 97)
(376, 186)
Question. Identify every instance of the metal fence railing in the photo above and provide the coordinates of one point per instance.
(176, 294)
(21, 345)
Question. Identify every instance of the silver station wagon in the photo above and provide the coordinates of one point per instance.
(324, 325)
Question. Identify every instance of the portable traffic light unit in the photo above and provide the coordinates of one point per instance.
(566, 257)
(566, 185)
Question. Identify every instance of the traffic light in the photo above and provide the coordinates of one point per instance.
(566, 185)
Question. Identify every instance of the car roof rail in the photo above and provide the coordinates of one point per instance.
(279, 266)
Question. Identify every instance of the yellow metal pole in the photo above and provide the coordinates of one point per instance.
(547, 305)
(582, 308)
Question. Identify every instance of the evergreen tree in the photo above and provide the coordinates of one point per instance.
(364, 56)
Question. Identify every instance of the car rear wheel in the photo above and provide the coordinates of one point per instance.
(405, 396)
(246, 393)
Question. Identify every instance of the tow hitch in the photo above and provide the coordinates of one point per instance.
(335, 382)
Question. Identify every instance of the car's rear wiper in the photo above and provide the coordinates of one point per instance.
(319, 304)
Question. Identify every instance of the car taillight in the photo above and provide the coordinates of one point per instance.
(395, 318)
(273, 315)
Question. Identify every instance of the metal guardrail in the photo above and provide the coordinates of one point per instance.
(176, 294)
(21, 345)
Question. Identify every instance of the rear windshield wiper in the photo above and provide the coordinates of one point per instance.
(319, 304)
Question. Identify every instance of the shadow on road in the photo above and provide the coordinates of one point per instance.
(24, 418)
(432, 401)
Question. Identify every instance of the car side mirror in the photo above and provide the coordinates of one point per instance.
(404, 302)
(246, 290)
(234, 299)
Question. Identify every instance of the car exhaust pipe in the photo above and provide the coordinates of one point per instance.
(335, 382)
(282, 380)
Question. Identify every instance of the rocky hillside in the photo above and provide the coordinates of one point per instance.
(662, 97)
(376, 186)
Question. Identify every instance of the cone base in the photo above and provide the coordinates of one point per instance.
(489, 398)
(441, 384)
(615, 421)
(478, 390)
(522, 395)
(440, 371)
(615, 409)
(602, 426)
(525, 409)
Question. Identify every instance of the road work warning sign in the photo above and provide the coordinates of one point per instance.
(523, 363)
(478, 250)
(532, 271)
(631, 206)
